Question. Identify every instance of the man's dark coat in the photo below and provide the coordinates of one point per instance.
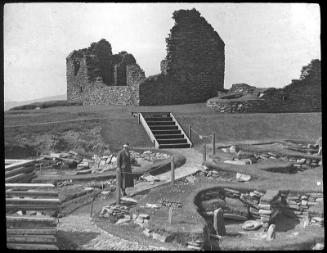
(124, 163)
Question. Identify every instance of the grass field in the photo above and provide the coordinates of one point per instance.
(116, 125)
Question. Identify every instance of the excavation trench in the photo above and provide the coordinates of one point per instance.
(285, 209)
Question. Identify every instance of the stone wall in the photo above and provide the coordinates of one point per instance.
(265, 206)
(194, 67)
(76, 82)
(225, 105)
(96, 76)
(302, 95)
(192, 71)
(99, 93)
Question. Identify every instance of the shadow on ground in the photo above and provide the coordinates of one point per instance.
(68, 240)
(284, 224)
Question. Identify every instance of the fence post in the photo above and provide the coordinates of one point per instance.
(204, 154)
(170, 215)
(213, 143)
(190, 132)
(91, 212)
(139, 118)
(118, 179)
(172, 165)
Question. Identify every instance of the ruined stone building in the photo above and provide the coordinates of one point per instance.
(96, 76)
(192, 72)
(301, 95)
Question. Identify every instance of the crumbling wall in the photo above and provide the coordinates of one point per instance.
(194, 67)
(122, 60)
(96, 76)
(302, 95)
(77, 77)
(234, 106)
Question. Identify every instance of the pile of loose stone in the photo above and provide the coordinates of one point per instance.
(246, 157)
(98, 164)
(117, 211)
(149, 155)
(211, 173)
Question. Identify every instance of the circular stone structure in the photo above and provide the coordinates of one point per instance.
(291, 233)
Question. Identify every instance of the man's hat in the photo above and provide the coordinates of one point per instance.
(126, 145)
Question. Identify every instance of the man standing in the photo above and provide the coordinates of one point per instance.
(125, 169)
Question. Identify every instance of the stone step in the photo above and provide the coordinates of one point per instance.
(171, 141)
(177, 145)
(147, 119)
(163, 127)
(165, 131)
(161, 123)
(169, 136)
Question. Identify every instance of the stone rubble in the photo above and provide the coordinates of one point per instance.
(118, 211)
(246, 157)
(98, 164)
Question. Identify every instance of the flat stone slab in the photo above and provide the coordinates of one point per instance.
(234, 217)
(270, 196)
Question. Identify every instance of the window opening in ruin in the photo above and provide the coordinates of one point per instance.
(76, 67)
(81, 89)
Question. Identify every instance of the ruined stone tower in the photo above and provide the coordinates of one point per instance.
(192, 72)
(96, 76)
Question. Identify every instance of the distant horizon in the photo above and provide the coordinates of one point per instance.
(266, 44)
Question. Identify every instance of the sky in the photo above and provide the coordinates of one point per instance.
(266, 44)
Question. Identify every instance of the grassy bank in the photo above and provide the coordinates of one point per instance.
(117, 125)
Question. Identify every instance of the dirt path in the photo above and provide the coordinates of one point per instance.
(192, 165)
(83, 232)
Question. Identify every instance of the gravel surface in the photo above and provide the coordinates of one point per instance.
(82, 224)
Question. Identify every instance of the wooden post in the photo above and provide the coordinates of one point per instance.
(92, 206)
(170, 215)
(213, 143)
(139, 118)
(118, 178)
(172, 165)
(190, 132)
(204, 154)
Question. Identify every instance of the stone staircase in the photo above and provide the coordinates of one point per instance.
(164, 130)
